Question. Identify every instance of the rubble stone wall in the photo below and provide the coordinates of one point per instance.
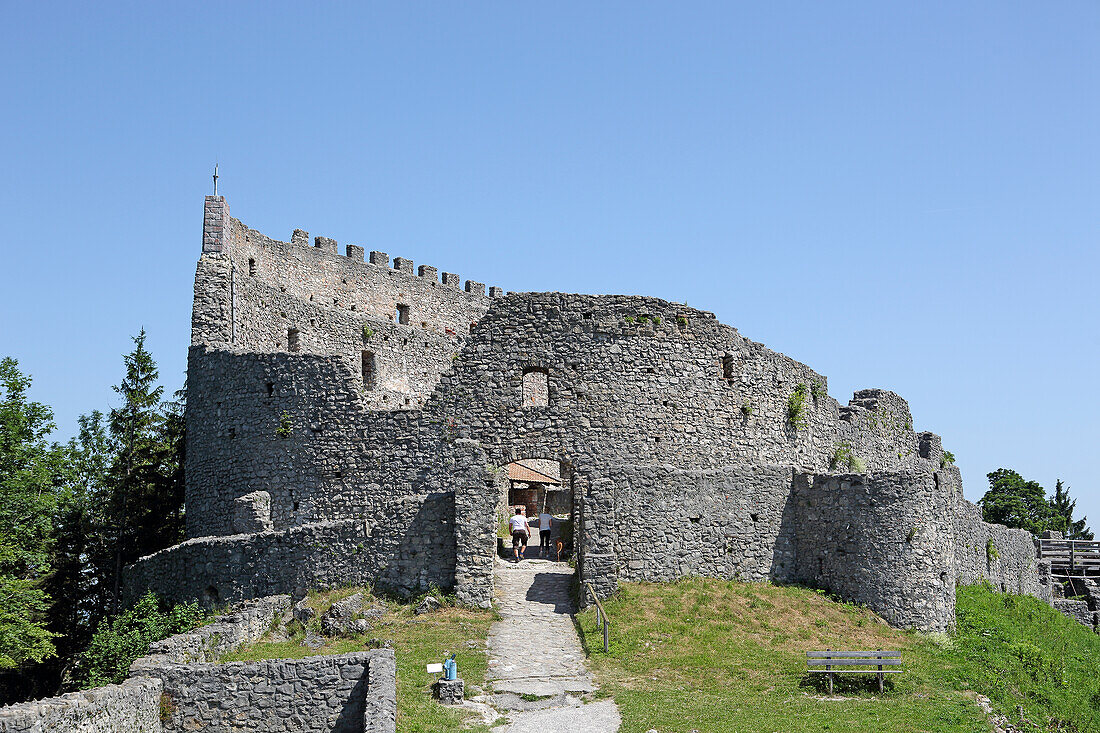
(1006, 558)
(132, 707)
(329, 694)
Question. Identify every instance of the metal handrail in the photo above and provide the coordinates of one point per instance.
(601, 616)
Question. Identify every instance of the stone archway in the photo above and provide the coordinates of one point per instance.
(539, 487)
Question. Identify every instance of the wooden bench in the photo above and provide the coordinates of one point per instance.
(829, 663)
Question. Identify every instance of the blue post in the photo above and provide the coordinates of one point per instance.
(450, 669)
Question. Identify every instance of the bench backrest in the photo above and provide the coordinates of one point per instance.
(853, 659)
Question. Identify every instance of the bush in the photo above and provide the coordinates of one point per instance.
(843, 457)
(118, 642)
(796, 406)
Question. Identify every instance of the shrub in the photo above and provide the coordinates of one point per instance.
(991, 553)
(948, 459)
(796, 406)
(368, 333)
(682, 321)
(843, 457)
(746, 409)
(629, 319)
(118, 642)
(286, 425)
(818, 391)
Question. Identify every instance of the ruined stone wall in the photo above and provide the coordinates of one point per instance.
(885, 540)
(252, 292)
(720, 523)
(1006, 558)
(407, 548)
(628, 381)
(229, 632)
(132, 707)
(327, 694)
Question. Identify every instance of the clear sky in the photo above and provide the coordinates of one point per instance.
(901, 195)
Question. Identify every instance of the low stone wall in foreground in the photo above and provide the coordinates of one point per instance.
(132, 707)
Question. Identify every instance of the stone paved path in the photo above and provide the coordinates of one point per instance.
(534, 650)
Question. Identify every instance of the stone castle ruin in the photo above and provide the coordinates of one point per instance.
(353, 420)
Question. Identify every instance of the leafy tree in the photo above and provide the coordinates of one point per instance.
(117, 643)
(1061, 509)
(1014, 502)
(30, 472)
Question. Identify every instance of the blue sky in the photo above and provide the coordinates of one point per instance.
(899, 195)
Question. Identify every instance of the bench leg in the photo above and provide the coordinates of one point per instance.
(830, 676)
(880, 676)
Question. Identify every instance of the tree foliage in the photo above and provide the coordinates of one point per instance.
(1061, 508)
(1016, 502)
(118, 642)
(73, 516)
(30, 473)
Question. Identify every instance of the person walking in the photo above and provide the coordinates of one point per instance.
(545, 520)
(521, 531)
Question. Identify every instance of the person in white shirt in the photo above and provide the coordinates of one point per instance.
(521, 531)
(545, 520)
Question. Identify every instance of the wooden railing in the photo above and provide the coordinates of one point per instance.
(1073, 555)
(601, 616)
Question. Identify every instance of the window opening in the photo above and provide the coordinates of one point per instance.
(536, 387)
(293, 340)
(251, 267)
(727, 367)
(370, 370)
(403, 314)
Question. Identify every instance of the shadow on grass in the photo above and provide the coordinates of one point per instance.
(845, 684)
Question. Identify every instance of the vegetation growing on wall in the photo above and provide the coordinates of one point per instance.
(118, 642)
(843, 457)
(796, 406)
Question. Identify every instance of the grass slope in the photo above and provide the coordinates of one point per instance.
(716, 656)
(417, 641)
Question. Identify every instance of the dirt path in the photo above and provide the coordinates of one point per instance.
(536, 662)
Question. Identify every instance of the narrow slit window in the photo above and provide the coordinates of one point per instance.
(370, 370)
(293, 340)
(403, 313)
(727, 367)
(536, 387)
(251, 267)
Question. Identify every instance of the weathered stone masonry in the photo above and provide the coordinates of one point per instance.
(180, 686)
(348, 416)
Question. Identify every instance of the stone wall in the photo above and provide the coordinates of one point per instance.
(884, 540)
(329, 694)
(475, 526)
(407, 550)
(658, 412)
(723, 523)
(1006, 558)
(132, 707)
(229, 632)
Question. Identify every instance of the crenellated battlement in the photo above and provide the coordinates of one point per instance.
(258, 294)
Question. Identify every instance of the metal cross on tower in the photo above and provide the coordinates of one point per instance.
(215, 179)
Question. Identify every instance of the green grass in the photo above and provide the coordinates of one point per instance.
(417, 641)
(717, 656)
